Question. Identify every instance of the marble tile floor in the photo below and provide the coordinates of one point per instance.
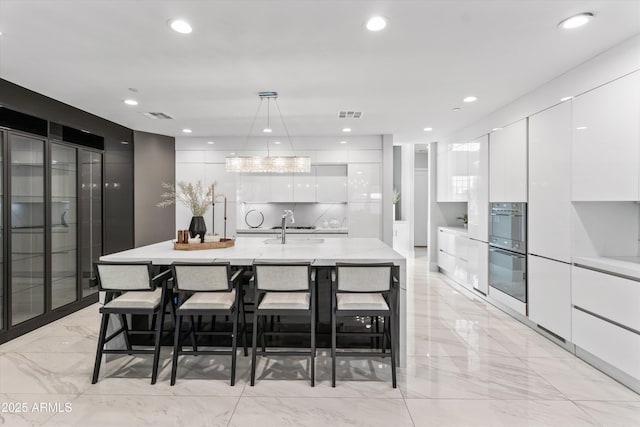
(469, 365)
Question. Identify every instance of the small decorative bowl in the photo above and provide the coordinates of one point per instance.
(211, 238)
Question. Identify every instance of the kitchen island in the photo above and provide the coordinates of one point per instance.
(321, 252)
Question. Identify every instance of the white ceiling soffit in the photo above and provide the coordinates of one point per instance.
(317, 54)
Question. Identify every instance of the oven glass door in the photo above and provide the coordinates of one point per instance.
(507, 273)
(507, 226)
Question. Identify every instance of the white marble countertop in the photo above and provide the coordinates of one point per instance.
(457, 230)
(260, 230)
(246, 249)
(624, 265)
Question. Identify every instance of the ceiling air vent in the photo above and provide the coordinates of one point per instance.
(350, 114)
(158, 115)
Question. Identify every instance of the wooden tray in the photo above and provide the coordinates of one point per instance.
(223, 243)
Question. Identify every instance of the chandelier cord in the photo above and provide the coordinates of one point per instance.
(284, 125)
(268, 126)
(255, 117)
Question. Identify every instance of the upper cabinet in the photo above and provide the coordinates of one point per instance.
(331, 184)
(304, 186)
(606, 142)
(452, 174)
(550, 183)
(364, 182)
(508, 163)
(478, 192)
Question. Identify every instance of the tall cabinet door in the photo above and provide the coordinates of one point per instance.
(508, 163)
(91, 214)
(27, 272)
(550, 183)
(3, 324)
(606, 142)
(64, 225)
(478, 203)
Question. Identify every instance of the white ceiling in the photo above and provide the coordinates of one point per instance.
(316, 54)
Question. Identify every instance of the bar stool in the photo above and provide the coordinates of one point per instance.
(364, 290)
(283, 289)
(130, 289)
(207, 290)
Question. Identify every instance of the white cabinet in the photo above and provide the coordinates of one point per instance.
(365, 219)
(401, 240)
(549, 289)
(254, 188)
(364, 182)
(304, 186)
(478, 192)
(508, 163)
(452, 172)
(331, 184)
(478, 265)
(617, 346)
(611, 297)
(550, 183)
(606, 142)
(281, 187)
(453, 252)
(226, 182)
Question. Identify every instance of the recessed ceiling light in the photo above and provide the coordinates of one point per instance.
(496, 129)
(456, 108)
(566, 98)
(124, 142)
(0, 33)
(232, 154)
(428, 129)
(376, 23)
(343, 142)
(52, 161)
(581, 128)
(181, 26)
(276, 142)
(131, 102)
(186, 130)
(576, 21)
(470, 99)
(210, 142)
(346, 130)
(267, 130)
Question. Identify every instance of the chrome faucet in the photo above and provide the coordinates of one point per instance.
(287, 213)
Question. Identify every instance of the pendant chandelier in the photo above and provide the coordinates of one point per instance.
(269, 163)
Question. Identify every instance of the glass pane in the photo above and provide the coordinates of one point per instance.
(1, 234)
(64, 225)
(91, 187)
(27, 228)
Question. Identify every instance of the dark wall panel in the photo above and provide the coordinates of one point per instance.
(155, 162)
(118, 157)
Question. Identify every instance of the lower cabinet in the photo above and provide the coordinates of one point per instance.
(478, 265)
(617, 346)
(401, 240)
(453, 253)
(549, 288)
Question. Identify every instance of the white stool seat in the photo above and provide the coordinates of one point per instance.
(210, 301)
(361, 301)
(285, 301)
(137, 300)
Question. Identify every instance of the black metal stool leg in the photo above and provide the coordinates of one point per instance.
(125, 332)
(103, 333)
(254, 345)
(156, 353)
(176, 350)
(234, 346)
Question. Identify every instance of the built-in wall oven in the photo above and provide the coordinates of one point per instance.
(507, 249)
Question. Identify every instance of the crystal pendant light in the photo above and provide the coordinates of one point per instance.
(269, 163)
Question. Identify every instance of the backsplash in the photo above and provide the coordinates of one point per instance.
(306, 214)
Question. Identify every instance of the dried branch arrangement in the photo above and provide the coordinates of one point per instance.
(192, 196)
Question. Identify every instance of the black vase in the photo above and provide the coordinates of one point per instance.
(197, 226)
